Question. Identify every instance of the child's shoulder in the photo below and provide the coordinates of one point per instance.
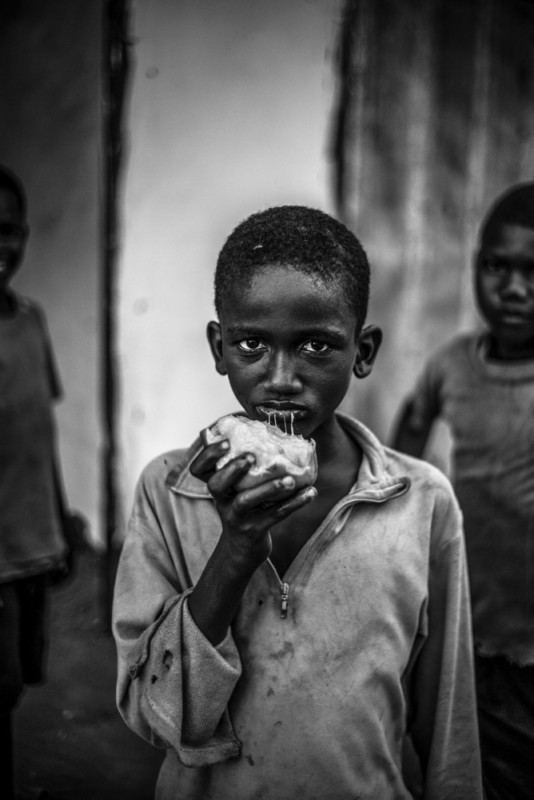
(29, 307)
(452, 359)
(460, 344)
(425, 478)
(389, 463)
(170, 470)
(431, 495)
(421, 473)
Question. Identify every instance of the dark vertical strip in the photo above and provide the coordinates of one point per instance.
(115, 75)
(338, 146)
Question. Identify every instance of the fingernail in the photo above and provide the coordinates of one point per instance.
(288, 482)
(225, 445)
(311, 492)
(249, 458)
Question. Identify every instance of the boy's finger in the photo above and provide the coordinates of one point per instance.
(204, 465)
(282, 510)
(272, 494)
(225, 479)
(303, 497)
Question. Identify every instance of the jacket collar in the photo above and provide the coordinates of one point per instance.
(373, 478)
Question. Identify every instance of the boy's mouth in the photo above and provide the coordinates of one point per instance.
(514, 317)
(5, 268)
(280, 412)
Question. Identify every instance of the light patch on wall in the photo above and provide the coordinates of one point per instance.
(229, 113)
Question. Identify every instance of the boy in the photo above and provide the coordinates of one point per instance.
(311, 697)
(32, 511)
(483, 386)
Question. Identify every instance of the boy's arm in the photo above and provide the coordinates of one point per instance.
(442, 697)
(412, 430)
(245, 542)
(73, 527)
(178, 665)
(420, 410)
(173, 686)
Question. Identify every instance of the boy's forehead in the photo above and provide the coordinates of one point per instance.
(9, 203)
(509, 237)
(278, 286)
(275, 279)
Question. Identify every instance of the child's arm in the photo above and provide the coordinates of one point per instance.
(441, 682)
(177, 672)
(73, 528)
(245, 542)
(420, 410)
(412, 430)
(173, 686)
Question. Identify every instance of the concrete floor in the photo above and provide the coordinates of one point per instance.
(69, 737)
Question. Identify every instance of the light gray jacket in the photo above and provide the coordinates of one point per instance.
(376, 643)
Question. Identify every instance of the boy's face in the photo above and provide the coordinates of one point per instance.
(13, 235)
(288, 344)
(504, 285)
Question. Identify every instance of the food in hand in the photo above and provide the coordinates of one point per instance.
(277, 453)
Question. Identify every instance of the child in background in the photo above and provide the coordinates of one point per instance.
(33, 549)
(482, 385)
(283, 643)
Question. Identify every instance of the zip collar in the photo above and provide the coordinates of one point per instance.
(375, 483)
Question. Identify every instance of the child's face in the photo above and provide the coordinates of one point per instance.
(504, 285)
(288, 344)
(13, 235)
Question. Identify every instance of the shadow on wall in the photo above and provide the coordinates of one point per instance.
(435, 118)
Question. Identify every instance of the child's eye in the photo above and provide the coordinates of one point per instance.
(9, 230)
(251, 345)
(494, 266)
(315, 346)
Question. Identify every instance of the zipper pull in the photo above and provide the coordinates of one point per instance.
(284, 590)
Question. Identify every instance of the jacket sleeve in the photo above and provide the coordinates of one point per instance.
(444, 726)
(173, 686)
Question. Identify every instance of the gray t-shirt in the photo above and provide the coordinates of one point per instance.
(30, 538)
(489, 408)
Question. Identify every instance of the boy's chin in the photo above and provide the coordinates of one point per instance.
(515, 344)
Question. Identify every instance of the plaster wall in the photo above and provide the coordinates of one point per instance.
(229, 113)
(50, 57)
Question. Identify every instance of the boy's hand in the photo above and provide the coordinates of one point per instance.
(245, 541)
(247, 515)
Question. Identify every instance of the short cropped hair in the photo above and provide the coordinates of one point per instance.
(514, 207)
(300, 237)
(11, 183)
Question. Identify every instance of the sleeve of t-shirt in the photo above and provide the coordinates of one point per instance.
(443, 714)
(173, 685)
(424, 401)
(54, 381)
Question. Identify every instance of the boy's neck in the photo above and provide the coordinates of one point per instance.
(335, 447)
(7, 302)
(496, 351)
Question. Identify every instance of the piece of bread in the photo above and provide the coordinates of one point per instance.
(277, 453)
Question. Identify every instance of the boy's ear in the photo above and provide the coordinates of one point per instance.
(214, 334)
(369, 342)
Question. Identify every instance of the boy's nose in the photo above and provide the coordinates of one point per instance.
(516, 285)
(282, 377)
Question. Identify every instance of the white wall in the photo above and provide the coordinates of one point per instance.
(50, 133)
(229, 113)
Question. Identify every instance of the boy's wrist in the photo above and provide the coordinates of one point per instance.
(244, 554)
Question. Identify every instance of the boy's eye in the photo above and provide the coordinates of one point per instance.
(251, 345)
(315, 346)
(9, 230)
(494, 266)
